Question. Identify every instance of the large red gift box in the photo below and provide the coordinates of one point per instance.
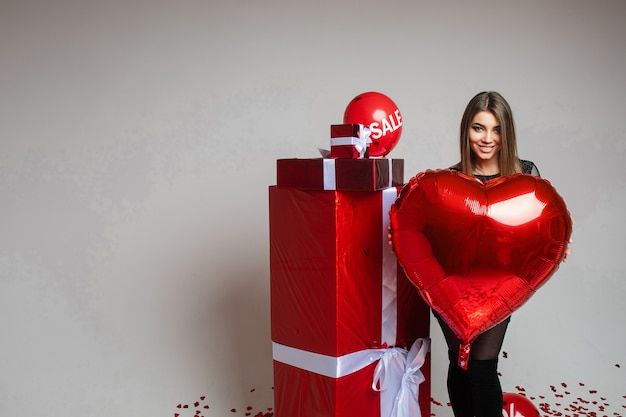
(342, 310)
(366, 174)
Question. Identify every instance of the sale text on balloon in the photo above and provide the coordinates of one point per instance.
(388, 124)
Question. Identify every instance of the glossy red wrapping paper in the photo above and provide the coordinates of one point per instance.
(327, 297)
(478, 251)
(340, 174)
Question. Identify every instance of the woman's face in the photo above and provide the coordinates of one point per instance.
(484, 136)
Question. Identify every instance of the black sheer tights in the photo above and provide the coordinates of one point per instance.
(477, 391)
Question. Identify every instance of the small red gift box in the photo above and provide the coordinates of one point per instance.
(349, 141)
(342, 310)
(339, 174)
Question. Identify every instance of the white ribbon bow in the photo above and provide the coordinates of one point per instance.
(393, 363)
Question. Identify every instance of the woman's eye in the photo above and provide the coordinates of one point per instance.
(497, 130)
(477, 128)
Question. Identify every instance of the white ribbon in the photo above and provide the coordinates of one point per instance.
(330, 182)
(330, 366)
(389, 274)
(397, 375)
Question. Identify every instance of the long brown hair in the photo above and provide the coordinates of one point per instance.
(494, 103)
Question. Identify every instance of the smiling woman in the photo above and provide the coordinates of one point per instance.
(488, 140)
(488, 148)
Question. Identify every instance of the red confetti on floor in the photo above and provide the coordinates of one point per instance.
(437, 403)
(201, 403)
(563, 403)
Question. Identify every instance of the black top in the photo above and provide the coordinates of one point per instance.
(528, 167)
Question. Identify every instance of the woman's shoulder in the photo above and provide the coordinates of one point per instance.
(455, 167)
(529, 167)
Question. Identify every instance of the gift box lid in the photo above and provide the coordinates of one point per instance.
(367, 174)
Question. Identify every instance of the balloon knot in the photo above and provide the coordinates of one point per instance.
(464, 352)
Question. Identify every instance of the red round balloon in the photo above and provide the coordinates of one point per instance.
(478, 251)
(517, 405)
(381, 115)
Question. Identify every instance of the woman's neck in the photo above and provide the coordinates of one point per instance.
(486, 168)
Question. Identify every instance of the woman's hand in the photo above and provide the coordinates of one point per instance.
(567, 252)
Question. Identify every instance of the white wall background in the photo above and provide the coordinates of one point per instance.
(138, 139)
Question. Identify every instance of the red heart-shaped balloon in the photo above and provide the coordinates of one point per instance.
(478, 251)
